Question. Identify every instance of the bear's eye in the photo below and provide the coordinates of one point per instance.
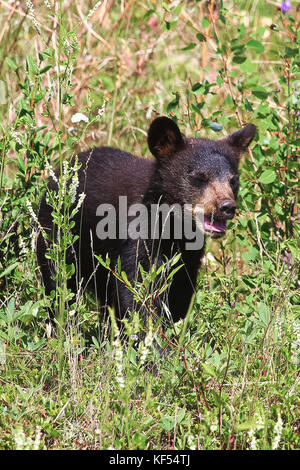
(198, 179)
(202, 178)
(234, 183)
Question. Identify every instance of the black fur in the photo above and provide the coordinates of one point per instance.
(185, 171)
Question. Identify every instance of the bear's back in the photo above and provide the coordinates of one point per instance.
(107, 173)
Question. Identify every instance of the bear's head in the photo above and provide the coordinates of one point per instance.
(199, 172)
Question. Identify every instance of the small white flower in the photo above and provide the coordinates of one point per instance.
(101, 111)
(18, 136)
(252, 437)
(31, 211)
(119, 362)
(65, 168)
(73, 187)
(48, 4)
(67, 46)
(23, 442)
(33, 240)
(31, 14)
(79, 117)
(277, 433)
(80, 201)
(93, 10)
(23, 246)
(49, 168)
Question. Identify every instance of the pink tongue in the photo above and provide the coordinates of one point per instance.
(214, 227)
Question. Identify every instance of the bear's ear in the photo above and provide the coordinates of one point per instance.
(164, 138)
(240, 140)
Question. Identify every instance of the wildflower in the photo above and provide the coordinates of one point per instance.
(31, 211)
(101, 111)
(79, 117)
(51, 89)
(252, 437)
(134, 337)
(33, 240)
(259, 422)
(80, 201)
(119, 362)
(67, 46)
(93, 10)
(73, 187)
(31, 15)
(49, 168)
(22, 442)
(48, 4)
(65, 168)
(70, 42)
(277, 433)
(286, 6)
(18, 136)
(23, 246)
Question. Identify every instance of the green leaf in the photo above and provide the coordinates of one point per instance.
(166, 7)
(174, 103)
(260, 92)
(238, 59)
(248, 66)
(11, 64)
(174, 271)
(289, 52)
(45, 69)
(197, 108)
(256, 45)
(220, 80)
(176, 259)
(148, 14)
(263, 313)
(267, 177)
(209, 370)
(9, 269)
(46, 54)
(200, 37)
(169, 25)
(96, 342)
(32, 67)
(189, 47)
(125, 278)
(21, 164)
(205, 23)
(251, 255)
(168, 423)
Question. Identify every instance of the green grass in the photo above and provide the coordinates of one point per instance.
(235, 383)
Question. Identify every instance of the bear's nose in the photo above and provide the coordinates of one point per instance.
(227, 208)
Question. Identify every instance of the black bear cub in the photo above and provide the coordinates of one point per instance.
(186, 173)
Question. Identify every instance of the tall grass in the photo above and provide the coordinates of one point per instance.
(74, 76)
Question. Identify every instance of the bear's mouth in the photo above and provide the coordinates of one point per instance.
(215, 228)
